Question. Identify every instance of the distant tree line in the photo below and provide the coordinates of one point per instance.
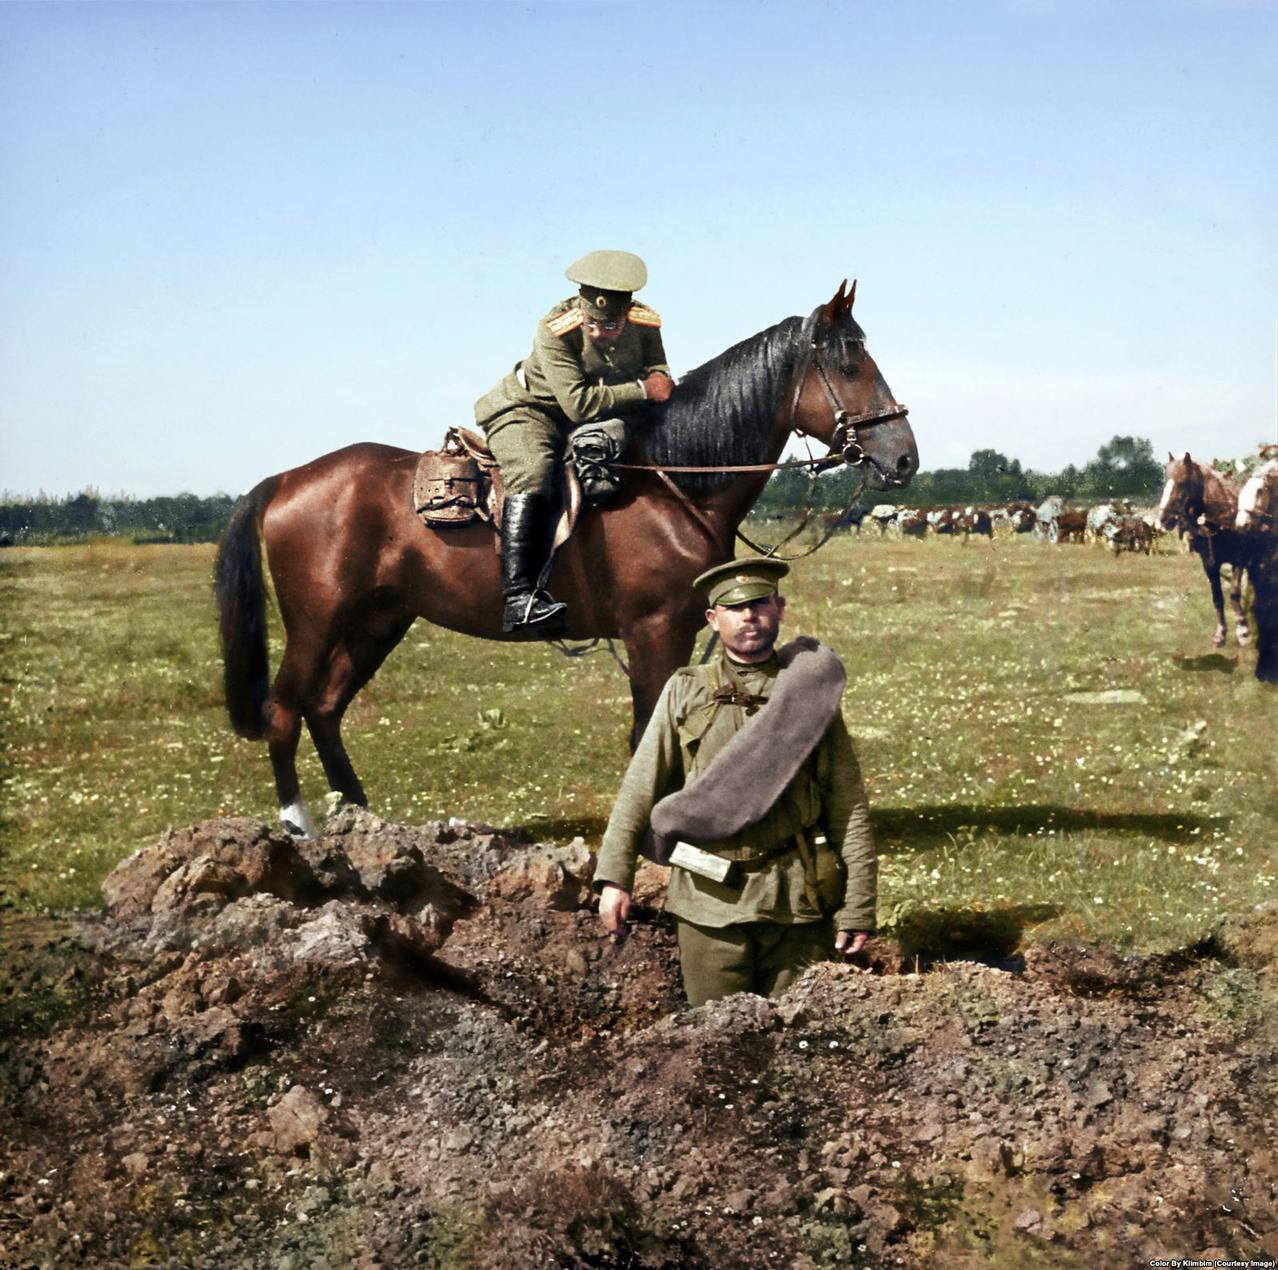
(172, 518)
(1125, 467)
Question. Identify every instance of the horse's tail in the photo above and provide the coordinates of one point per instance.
(241, 605)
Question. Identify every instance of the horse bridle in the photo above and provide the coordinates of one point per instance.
(843, 441)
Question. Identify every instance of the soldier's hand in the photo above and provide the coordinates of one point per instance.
(658, 386)
(850, 942)
(614, 909)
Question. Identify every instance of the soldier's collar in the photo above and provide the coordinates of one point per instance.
(734, 668)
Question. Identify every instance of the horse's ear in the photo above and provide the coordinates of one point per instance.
(841, 302)
(1171, 458)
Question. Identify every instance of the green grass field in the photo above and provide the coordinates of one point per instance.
(1009, 805)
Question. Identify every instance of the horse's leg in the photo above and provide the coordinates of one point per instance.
(1218, 602)
(308, 652)
(656, 647)
(1242, 631)
(1264, 608)
(354, 662)
(284, 729)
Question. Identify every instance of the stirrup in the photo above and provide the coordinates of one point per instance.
(534, 611)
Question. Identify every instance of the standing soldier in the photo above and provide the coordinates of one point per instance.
(749, 759)
(594, 356)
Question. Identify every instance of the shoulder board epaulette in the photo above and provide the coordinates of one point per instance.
(568, 320)
(642, 315)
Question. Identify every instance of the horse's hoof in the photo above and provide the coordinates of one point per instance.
(1244, 638)
(296, 821)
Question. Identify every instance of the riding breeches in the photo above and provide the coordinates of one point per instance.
(529, 447)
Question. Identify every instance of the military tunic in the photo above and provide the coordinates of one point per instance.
(686, 730)
(567, 379)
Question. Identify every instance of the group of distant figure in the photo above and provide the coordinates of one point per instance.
(1226, 520)
(1114, 523)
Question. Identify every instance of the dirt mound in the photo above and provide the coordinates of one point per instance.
(413, 1046)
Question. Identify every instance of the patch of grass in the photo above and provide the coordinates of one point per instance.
(995, 789)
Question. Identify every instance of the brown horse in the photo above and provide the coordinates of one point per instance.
(353, 567)
(1198, 501)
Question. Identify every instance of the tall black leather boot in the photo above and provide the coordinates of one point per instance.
(525, 543)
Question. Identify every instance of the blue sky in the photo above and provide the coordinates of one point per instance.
(234, 237)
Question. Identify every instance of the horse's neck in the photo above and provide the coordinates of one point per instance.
(729, 413)
(1220, 497)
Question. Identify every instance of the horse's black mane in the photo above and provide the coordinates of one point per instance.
(722, 413)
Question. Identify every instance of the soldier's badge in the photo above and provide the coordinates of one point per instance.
(642, 315)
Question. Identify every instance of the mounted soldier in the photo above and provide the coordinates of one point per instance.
(595, 355)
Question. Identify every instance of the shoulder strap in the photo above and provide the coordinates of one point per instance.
(642, 315)
(568, 320)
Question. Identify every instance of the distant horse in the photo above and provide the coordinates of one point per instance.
(1102, 515)
(1018, 517)
(353, 567)
(911, 523)
(974, 520)
(885, 515)
(1202, 503)
(1127, 533)
(1258, 502)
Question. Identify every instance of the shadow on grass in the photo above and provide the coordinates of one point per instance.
(931, 824)
(993, 935)
(555, 829)
(1209, 661)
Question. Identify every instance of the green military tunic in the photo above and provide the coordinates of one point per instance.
(566, 380)
(687, 729)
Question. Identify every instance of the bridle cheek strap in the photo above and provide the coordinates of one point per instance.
(844, 441)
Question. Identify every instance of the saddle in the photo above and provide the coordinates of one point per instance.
(461, 482)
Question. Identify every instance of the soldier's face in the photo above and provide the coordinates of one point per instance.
(604, 332)
(749, 630)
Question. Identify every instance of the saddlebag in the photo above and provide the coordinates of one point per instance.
(450, 487)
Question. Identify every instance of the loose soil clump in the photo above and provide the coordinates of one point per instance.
(414, 1046)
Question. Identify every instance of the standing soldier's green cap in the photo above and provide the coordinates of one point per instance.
(606, 281)
(739, 581)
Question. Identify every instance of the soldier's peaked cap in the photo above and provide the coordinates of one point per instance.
(609, 271)
(739, 581)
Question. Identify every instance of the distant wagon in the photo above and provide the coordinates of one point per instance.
(1056, 522)
(1046, 514)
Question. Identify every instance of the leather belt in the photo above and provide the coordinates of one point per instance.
(753, 863)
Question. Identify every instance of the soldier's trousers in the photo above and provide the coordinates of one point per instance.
(529, 447)
(760, 957)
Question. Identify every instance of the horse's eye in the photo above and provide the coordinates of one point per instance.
(848, 370)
